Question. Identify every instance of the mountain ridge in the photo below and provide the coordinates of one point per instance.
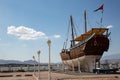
(18, 62)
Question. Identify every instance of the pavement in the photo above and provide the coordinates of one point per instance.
(57, 76)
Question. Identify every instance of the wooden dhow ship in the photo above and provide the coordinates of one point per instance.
(85, 50)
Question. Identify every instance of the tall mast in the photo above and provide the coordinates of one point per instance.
(85, 21)
(72, 29)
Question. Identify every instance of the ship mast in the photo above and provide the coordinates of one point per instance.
(85, 21)
(72, 29)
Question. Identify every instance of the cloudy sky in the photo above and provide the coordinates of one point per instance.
(26, 25)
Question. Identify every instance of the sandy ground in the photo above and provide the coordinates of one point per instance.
(57, 76)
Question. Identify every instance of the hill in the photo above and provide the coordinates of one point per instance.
(17, 62)
(112, 58)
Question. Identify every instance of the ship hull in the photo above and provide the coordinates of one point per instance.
(86, 53)
(94, 46)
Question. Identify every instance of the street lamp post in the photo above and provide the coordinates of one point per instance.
(38, 65)
(34, 64)
(49, 72)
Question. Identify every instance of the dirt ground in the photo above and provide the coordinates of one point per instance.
(57, 76)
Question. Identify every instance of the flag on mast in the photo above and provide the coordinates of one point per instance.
(100, 8)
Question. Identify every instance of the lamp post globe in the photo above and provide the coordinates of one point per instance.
(38, 52)
(49, 42)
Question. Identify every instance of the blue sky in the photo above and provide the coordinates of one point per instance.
(26, 25)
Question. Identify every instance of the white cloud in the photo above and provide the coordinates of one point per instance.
(25, 33)
(56, 36)
(110, 26)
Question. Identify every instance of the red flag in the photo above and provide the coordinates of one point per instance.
(100, 8)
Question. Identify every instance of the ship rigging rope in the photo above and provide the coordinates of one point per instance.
(75, 32)
(67, 35)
